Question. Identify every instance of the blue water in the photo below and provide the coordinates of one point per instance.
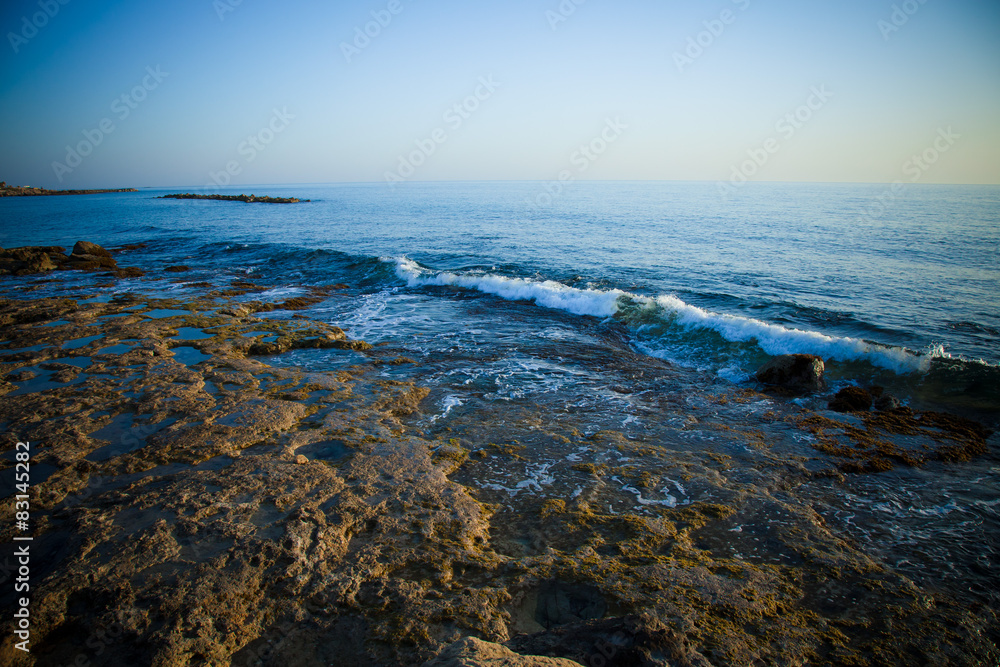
(909, 297)
(620, 306)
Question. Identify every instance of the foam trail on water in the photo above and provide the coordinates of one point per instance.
(771, 338)
(548, 293)
(775, 339)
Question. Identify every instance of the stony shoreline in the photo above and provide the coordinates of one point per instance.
(199, 503)
(29, 191)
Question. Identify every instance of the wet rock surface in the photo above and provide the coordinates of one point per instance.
(85, 256)
(800, 372)
(198, 501)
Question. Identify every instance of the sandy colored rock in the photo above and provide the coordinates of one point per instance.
(85, 248)
(472, 652)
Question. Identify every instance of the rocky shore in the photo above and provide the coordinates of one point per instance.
(29, 191)
(85, 256)
(197, 501)
(249, 199)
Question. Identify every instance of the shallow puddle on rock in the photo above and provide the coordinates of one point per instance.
(120, 348)
(80, 342)
(265, 336)
(79, 362)
(37, 472)
(191, 333)
(41, 382)
(125, 436)
(328, 450)
(57, 323)
(190, 355)
(160, 313)
(33, 348)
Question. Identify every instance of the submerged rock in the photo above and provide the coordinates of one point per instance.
(794, 371)
(851, 399)
(887, 403)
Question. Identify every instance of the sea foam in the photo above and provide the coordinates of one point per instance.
(772, 339)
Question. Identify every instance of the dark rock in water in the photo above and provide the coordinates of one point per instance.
(180, 268)
(887, 403)
(28, 260)
(129, 272)
(86, 248)
(851, 399)
(86, 256)
(794, 371)
(472, 651)
(243, 198)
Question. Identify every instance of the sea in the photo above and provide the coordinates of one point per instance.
(526, 306)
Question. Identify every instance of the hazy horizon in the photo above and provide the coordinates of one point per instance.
(229, 92)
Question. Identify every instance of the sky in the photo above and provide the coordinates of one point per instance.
(191, 93)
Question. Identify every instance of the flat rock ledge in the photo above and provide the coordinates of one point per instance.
(472, 652)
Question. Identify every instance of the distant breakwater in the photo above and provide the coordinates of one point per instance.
(252, 199)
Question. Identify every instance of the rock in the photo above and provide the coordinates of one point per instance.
(301, 459)
(180, 268)
(235, 310)
(28, 260)
(617, 642)
(851, 399)
(88, 248)
(887, 403)
(794, 371)
(129, 272)
(472, 652)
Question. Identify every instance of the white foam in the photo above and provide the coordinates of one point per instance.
(776, 340)
(771, 338)
(546, 293)
(448, 403)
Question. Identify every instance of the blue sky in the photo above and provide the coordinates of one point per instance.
(278, 72)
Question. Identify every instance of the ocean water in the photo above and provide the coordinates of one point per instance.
(907, 299)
